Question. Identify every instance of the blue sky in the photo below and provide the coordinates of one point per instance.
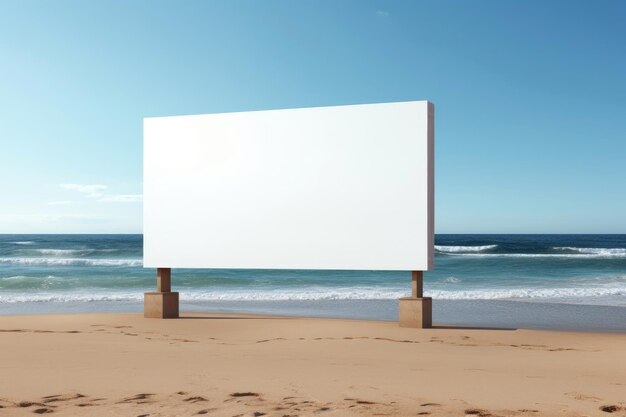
(530, 98)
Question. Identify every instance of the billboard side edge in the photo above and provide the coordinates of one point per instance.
(431, 185)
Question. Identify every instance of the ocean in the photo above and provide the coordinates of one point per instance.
(569, 282)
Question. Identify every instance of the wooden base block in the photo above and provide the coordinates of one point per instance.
(416, 312)
(160, 305)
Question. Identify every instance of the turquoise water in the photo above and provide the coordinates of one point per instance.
(40, 273)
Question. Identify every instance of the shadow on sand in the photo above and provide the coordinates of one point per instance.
(437, 326)
(231, 318)
(444, 327)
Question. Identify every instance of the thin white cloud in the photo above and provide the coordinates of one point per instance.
(91, 190)
(97, 192)
(382, 13)
(122, 198)
(60, 203)
(48, 218)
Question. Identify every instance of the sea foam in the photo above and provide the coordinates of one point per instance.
(592, 251)
(454, 249)
(72, 261)
(218, 295)
(530, 294)
(60, 252)
(598, 255)
(527, 293)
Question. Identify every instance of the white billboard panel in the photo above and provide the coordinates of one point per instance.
(344, 187)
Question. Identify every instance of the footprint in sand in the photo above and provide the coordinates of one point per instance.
(137, 399)
(244, 394)
(60, 397)
(610, 408)
(364, 402)
(196, 399)
(477, 412)
(206, 410)
(25, 404)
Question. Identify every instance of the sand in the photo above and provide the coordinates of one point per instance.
(236, 365)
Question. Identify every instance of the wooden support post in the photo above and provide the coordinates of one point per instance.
(417, 310)
(164, 280)
(417, 284)
(162, 304)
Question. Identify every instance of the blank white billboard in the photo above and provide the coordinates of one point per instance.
(345, 187)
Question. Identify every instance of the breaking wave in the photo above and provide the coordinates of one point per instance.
(327, 295)
(72, 261)
(61, 252)
(528, 293)
(592, 251)
(598, 255)
(455, 249)
(217, 295)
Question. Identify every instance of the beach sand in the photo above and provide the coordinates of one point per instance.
(242, 365)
